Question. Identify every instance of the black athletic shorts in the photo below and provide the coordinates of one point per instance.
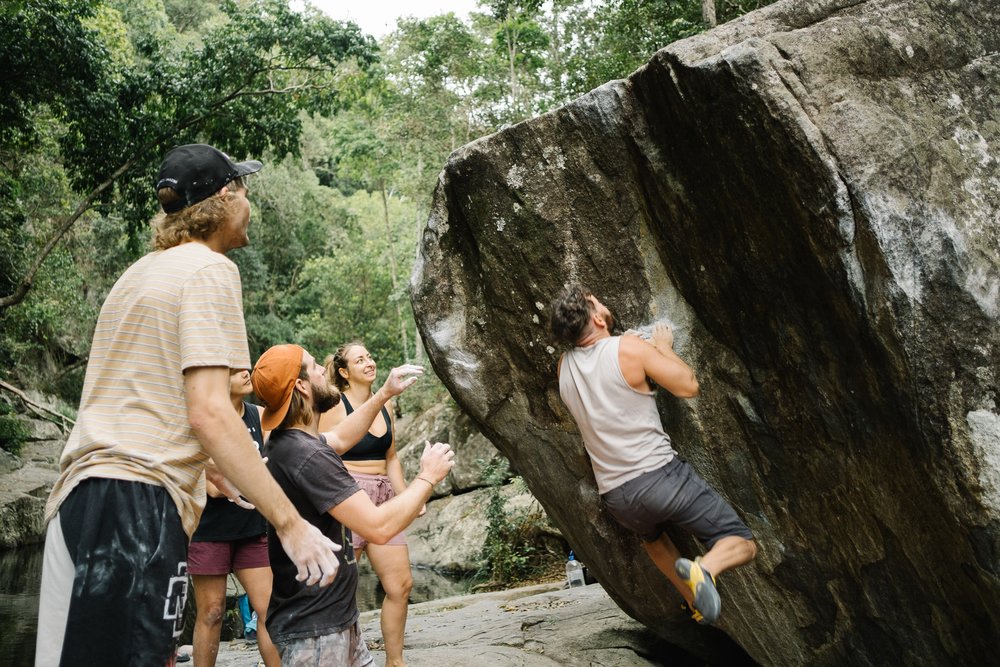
(122, 546)
(674, 495)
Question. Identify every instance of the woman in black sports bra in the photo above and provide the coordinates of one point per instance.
(378, 471)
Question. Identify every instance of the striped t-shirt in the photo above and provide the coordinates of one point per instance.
(172, 310)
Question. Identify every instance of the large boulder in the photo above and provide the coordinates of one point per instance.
(810, 195)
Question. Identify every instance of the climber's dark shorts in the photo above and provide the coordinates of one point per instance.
(674, 495)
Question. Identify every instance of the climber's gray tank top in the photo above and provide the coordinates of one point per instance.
(621, 426)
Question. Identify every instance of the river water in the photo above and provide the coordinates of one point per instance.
(21, 575)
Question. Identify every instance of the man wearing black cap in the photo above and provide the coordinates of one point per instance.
(155, 407)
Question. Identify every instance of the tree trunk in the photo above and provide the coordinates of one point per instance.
(512, 58)
(59, 419)
(708, 13)
(21, 290)
(392, 271)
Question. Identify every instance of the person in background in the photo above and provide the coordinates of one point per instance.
(373, 463)
(320, 627)
(155, 408)
(230, 538)
(604, 381)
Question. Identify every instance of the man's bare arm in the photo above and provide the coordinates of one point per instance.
(379, 524)
(640, 359)
(348, 432)
(224, 437)
(329, 420)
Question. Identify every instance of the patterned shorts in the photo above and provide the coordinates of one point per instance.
(114, 577)
(346, 648)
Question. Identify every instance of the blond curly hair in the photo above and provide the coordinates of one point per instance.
(195, 222)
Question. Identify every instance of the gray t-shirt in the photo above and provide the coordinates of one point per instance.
(314, 478)
(620, 425)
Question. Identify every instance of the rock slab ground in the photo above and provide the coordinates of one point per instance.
(536, 626)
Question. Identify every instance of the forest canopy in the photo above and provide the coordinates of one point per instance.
(352, 133)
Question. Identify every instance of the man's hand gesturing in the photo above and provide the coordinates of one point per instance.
(311, 552)
(436, 461)
(228, 489)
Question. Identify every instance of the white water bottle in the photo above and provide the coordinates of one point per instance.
(574, 572)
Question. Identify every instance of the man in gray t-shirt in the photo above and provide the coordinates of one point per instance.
(312, 626)
(643, 483)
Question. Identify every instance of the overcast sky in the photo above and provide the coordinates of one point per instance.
(378, 17)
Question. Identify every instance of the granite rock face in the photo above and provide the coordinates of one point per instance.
(25, 482)
(810, 195)
(444, 422)
(538, 626)
(450, 536)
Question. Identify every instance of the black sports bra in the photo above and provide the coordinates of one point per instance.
(370, 447)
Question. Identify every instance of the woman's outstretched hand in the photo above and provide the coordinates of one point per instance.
(401, 377)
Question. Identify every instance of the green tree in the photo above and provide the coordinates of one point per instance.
(45, 338)
(434, 65)
(295, 220)
(430, 105)
(188, 16)
(348, 294)
(43, 42)
(316, 271)
(364, 153)
(521, 42)
(597, 43)
(242, 87)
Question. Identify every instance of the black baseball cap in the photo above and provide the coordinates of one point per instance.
(198, 171)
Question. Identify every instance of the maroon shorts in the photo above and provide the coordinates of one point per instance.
(225, 557)
(379, 489)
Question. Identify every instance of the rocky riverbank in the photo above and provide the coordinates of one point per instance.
(25, 482)
(538, 626)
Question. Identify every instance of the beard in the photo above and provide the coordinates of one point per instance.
(325, 397)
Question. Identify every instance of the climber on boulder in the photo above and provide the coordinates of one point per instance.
(604, 380)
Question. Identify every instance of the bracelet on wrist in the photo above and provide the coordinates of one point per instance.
(426, 480)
